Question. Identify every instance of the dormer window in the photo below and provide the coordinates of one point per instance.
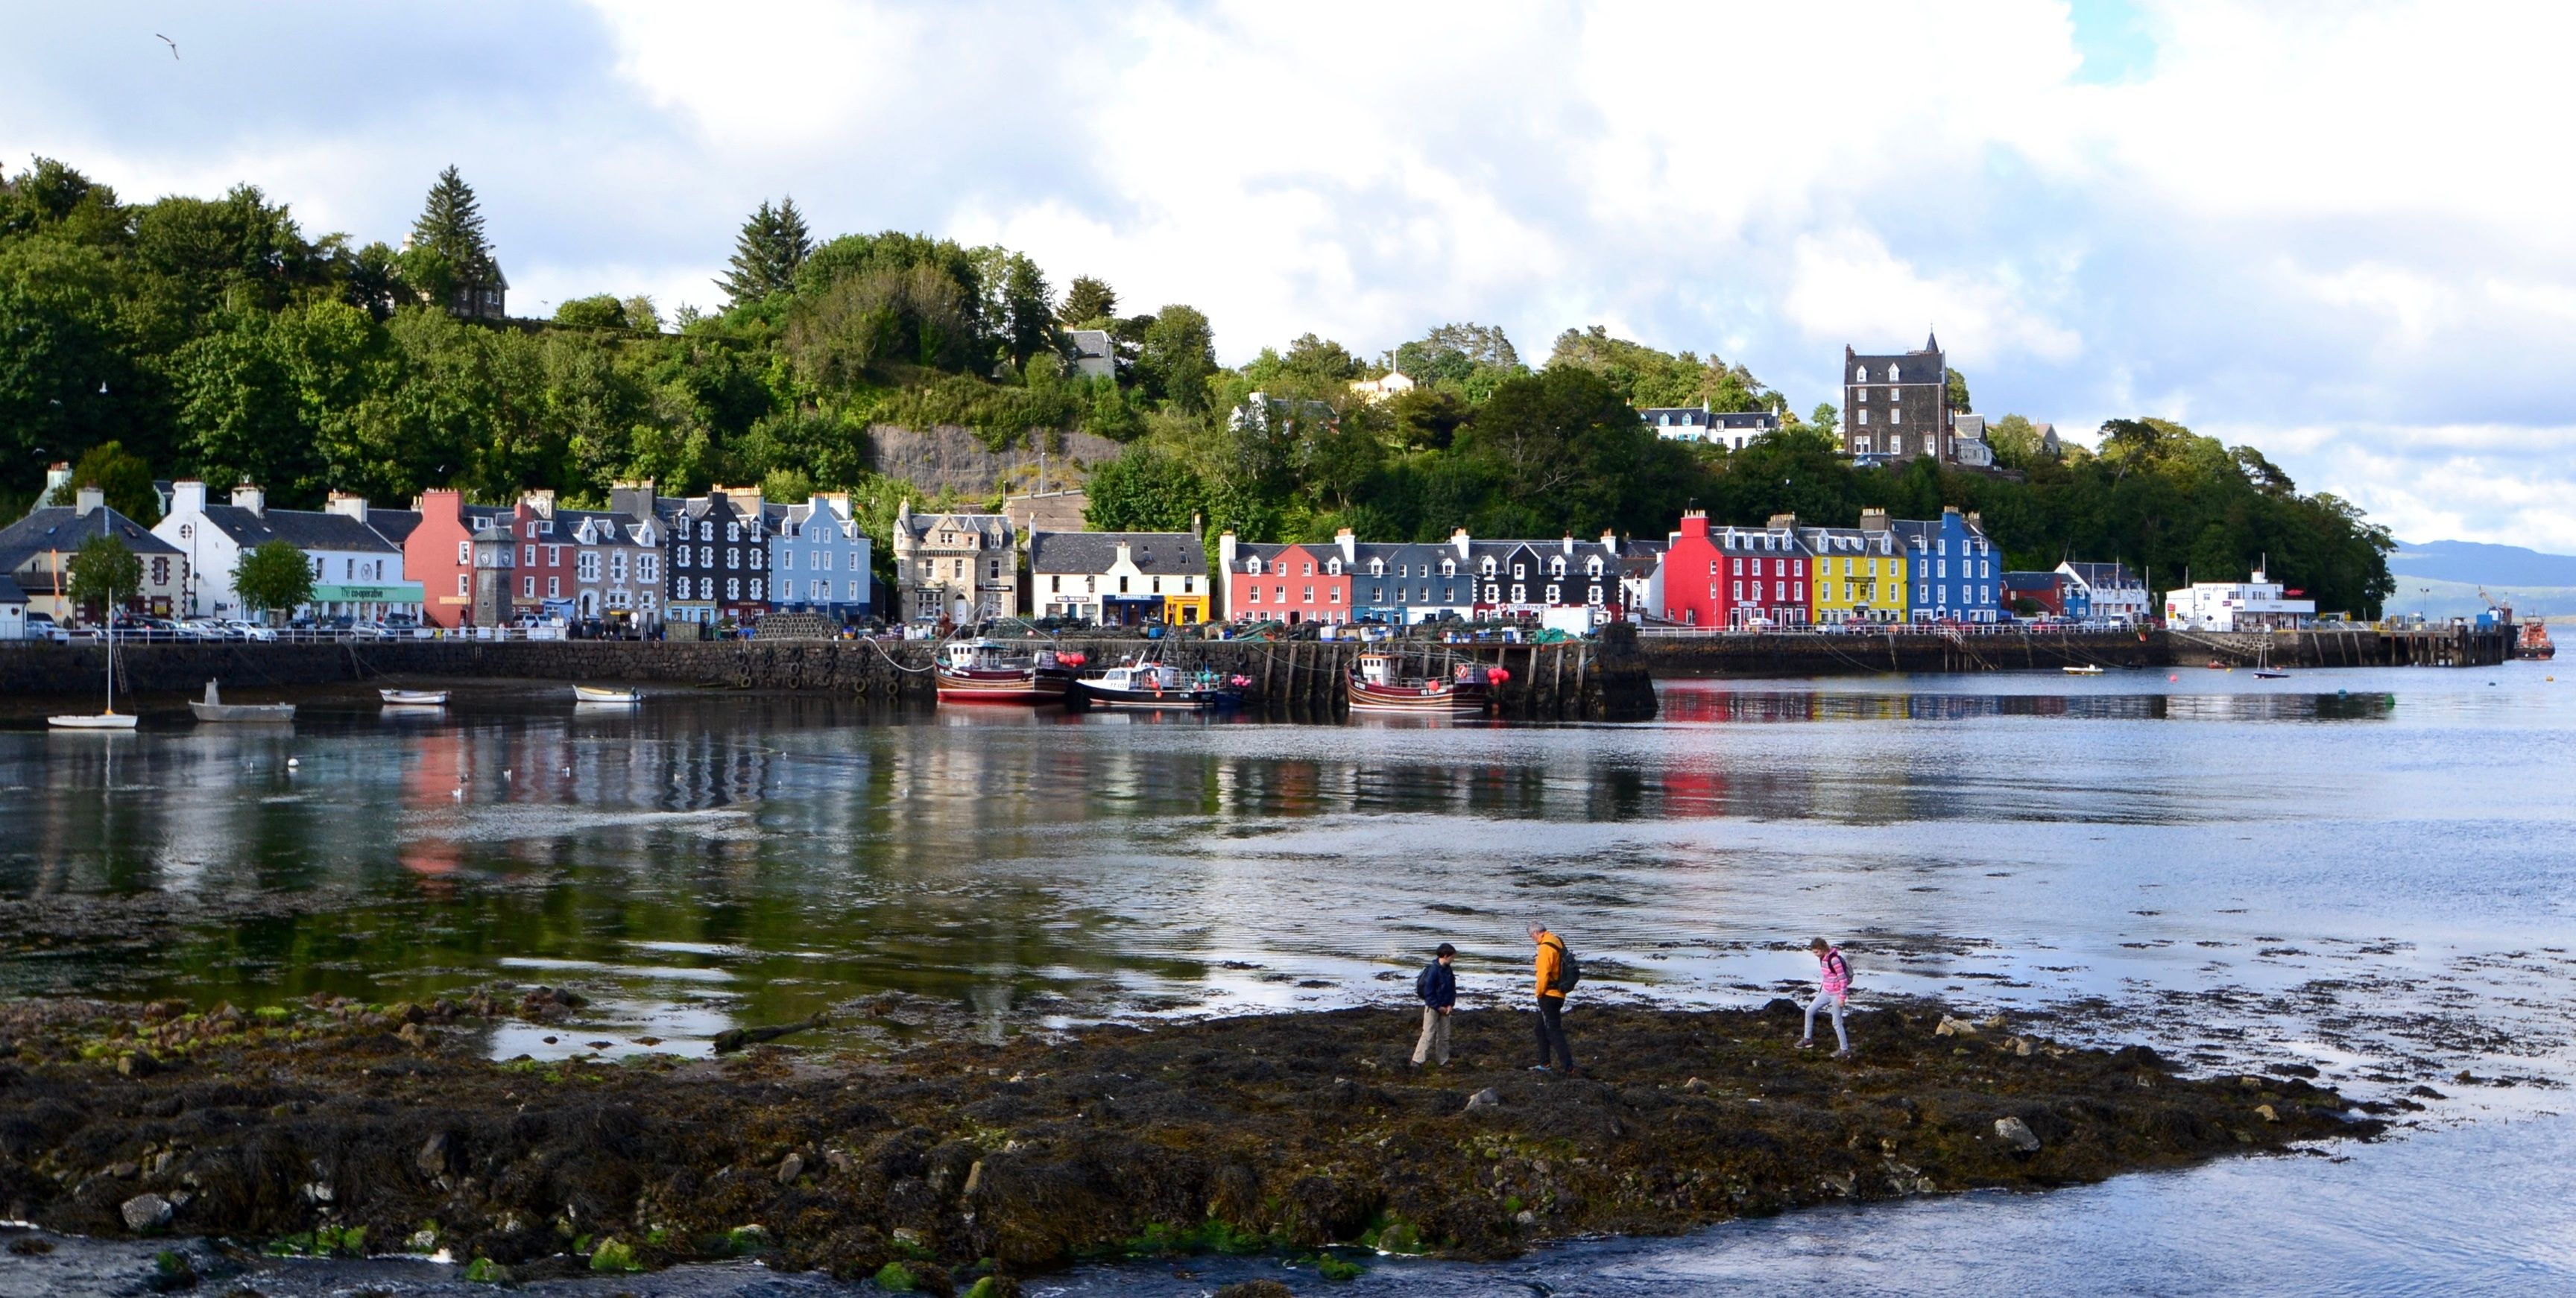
(1332, 567)
(1448, 567)
(1377, 567)
(1252, 566)
(1488, 568)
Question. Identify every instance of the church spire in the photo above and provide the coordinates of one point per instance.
(1931, 341)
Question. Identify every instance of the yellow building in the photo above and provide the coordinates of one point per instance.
(1860, 572)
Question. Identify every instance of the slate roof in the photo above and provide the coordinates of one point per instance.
(62, 527)
(995, 527)
(1172, 554)
(2101, 576)
(2029, 580)
(305, 529)
(394, 525)
(10, 593)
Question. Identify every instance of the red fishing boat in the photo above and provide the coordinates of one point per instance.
(989, 671)
(1376, 687)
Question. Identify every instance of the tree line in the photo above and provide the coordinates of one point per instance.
(215, 337)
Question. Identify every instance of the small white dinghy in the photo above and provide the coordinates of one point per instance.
(213, 708)
(2086, 669)
(605, 694)
(413, 698)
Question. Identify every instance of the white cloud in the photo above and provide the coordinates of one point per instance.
(2338, 233)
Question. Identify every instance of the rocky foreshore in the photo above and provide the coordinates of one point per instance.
(366, 1129)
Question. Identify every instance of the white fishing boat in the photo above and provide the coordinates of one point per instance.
(413, 698)
(988, 671)
(605, 694)
(2083, 669)
(213, 708)
(110, 719)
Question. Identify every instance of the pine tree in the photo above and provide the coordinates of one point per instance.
(451, 225)
(773, 243)
(1086, 300)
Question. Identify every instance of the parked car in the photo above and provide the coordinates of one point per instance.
(41, 626)
(249, 631)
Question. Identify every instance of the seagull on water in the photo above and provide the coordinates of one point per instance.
(174, 45)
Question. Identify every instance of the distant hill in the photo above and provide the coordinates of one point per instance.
(2473, 563)
(2441, 600)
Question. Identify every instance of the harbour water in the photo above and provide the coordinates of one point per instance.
(2370, 871)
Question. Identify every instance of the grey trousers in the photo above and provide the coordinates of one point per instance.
(1824, 1000)
(1434, 1043)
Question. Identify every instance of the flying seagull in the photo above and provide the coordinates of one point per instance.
(174, 45)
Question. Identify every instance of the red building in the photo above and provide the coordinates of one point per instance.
(1284, 583)
(439, 554)
(1736, 576)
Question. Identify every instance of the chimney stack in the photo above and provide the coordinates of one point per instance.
(56, 476)
(346, 505)
(1873, 520)
(540, 502)
(248, 496)
(187, 496)
(88, 500)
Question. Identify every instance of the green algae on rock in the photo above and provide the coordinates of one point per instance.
(957, 1160)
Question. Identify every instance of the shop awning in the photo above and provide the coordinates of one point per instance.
(392, 592)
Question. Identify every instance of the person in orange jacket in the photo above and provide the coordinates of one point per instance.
(1551, 1000)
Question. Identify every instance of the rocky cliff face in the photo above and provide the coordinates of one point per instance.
(952, 457)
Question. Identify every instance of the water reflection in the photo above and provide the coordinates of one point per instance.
(705, 859)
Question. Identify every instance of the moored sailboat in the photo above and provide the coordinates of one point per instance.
(111, 719)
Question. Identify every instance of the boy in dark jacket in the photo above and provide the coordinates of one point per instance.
(1437, 985)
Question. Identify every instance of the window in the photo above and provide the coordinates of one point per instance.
(706, 531)
(733, 533)
(1864, 392)
(819, 590)
(1448, 567)
(1798, 568)
(1333, 594)
(587, 566)
(1252, 566)
(554, 556)
(1487, 569)
(465, 553)
(1596, 594)
(1864, 421)
(648, 567)
(733, 558)
(617, 567)
(461, 584)
(996, 569)
(1278, 594)
(1552, 593)
(1252, 593)
(1739, 590)
(554, 588)
(1739, 565)
(1556, 567)
(1377, 567)
(1779, 590)
(1896, 416)
(1493, 594)
(1310, 591)
(1377, 594)
(787, 560)
(733, 588)
(706, 556)
(1122, 584)
(528, 587)
(854, 592)
(1520, 571)
(528, 556)
(1592, 569)
(752, 559)
(1332, 567)
(755, 588)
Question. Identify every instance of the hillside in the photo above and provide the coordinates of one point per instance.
(2473, 562)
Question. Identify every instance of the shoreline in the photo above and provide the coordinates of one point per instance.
(1293, 1132)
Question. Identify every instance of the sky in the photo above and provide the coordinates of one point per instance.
(2337, 233)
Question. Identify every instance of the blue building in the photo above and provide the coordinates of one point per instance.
(818, 558)
(1956, 574)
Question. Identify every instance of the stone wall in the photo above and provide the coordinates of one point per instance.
(948, 457)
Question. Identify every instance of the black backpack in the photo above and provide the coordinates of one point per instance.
(1568, 970)
(1422, 983)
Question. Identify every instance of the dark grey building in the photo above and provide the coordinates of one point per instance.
(1897, 407)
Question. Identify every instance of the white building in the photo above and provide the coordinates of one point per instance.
(356, 571)
(1094, 355)
(1731, 429)
(1396, 383)
(2257, 605)
(13, 610)
(2109, 591)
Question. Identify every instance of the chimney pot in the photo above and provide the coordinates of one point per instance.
(248, 496)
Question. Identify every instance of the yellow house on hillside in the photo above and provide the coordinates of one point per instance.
(1860, 571)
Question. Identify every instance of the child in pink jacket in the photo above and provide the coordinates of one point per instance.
(1834, 988)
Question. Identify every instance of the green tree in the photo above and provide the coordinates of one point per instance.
(125, 480)
(273, 577)
(1087, 303)
(598, 311)
(450, 226)
(1176, 358)
(1143, 490)
(2016, 442)
(1824, 418)
(1645, 377)
(103, 572)
(1957, 384)
(773, 244)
